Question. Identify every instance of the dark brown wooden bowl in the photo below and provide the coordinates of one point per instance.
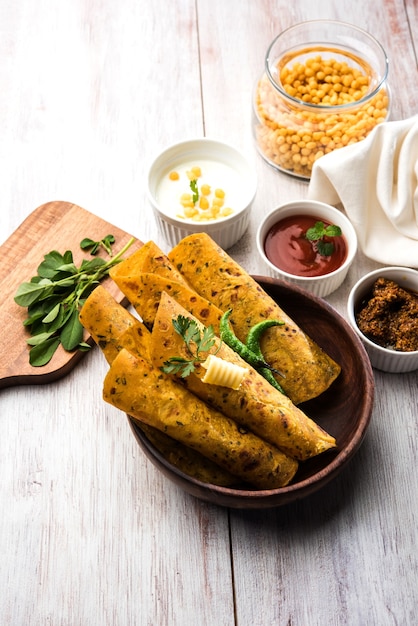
(344, 410)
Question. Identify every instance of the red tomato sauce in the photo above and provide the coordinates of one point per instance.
(287, 247)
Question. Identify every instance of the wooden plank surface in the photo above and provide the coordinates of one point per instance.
(61, 225)
(90, 532)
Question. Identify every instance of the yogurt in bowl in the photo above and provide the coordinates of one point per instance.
(202, 185)
(214, 185)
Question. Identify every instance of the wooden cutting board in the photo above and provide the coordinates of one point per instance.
(53, 226)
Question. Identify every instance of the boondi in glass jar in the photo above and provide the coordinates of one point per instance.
(317, 96)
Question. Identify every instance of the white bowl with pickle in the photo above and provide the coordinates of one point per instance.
(383, 310)
(202, 185)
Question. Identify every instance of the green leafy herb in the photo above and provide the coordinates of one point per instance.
(94, 246)
(196, 341)
(317, 234)
(193, 187)
(54, 297)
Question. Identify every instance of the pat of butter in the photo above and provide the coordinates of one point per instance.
(216, 174)
(223, 373)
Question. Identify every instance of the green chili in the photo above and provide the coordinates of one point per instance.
(228, 336)
(254, 335)
(252, 357)
(253, 343)
(268, 375)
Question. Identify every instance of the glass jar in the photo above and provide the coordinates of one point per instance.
(324, 87)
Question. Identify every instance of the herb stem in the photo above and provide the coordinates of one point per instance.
(115, 259)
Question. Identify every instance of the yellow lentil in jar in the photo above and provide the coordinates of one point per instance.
(293, 137)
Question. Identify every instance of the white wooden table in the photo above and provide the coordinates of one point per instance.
(90, 533)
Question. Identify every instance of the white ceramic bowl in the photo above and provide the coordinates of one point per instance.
(225, 167)
(383, 358)
(318, 285)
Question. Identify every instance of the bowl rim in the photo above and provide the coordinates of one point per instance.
(351, 302)
(266, 498)
(192, 145)
(352, 241)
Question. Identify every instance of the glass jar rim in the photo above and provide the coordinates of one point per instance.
(327, 107)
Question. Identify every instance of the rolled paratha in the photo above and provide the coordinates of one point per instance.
(148, 259)
(112, 326)
(255, 405)
(217, 277)
(143, 391)
(144, 292)
(188, 460)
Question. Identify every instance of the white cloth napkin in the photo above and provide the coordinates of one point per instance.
(376, 181)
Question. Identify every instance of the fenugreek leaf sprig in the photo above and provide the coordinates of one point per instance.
(54, 296)
(94, 246)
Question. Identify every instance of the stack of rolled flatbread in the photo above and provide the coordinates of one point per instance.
(254, 435)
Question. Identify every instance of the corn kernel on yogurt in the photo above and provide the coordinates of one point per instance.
(203, 191)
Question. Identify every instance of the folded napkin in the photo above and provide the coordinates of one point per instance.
(376, 181)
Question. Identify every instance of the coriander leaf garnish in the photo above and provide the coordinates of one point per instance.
(55, 295)
(196, 341)
(177, 365)
(193, 187)
(317, 233)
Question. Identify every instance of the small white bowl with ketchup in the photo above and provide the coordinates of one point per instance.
(309, 243)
